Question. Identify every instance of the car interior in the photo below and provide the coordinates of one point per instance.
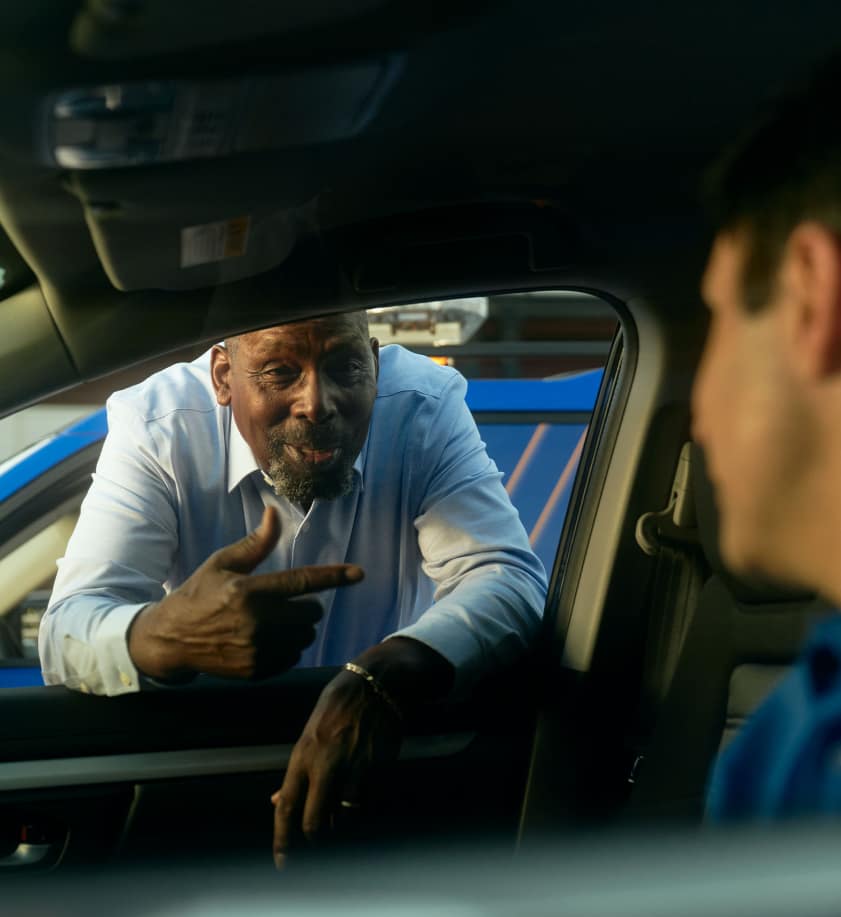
(174, 173)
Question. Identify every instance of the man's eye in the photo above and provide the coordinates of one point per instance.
(279, 373)
(349, 368)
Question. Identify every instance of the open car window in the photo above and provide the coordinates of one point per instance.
(533, 363)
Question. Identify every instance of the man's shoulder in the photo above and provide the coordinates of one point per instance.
(182, 387)
(404, 372)
(769, 769)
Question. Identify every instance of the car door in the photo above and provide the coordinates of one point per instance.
(86, 778)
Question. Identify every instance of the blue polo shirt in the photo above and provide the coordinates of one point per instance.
(786, 762)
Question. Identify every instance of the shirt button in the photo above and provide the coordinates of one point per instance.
(84, 688)
(125, 679)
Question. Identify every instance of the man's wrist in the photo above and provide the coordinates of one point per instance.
(410, 672)
(376, 687)
(153, 655)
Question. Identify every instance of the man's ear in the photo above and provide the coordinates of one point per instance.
(375, 350)
(220, 372)
(810, 275)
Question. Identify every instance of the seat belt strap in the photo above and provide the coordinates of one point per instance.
(670, 535)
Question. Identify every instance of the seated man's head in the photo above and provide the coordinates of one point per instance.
(301, 396)
(767, 398)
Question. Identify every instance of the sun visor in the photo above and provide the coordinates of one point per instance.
(154, 122)
(122, 29)
(192, 226)
(187, 184)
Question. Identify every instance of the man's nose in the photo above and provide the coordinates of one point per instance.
(315, 401)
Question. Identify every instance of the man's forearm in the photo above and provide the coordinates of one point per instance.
(484, 624)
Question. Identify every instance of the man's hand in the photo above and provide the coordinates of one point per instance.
(225, 621)
(351, 730)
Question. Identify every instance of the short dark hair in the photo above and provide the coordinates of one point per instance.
(787, 169)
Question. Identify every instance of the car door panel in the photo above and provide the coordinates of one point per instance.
(135, 775)
(150, 775)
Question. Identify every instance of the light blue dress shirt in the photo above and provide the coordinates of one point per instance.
(446, 558)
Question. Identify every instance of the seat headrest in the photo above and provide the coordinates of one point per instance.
(749, 590)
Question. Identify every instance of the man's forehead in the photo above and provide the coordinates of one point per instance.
(331, 330)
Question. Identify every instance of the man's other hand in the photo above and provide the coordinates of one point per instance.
(225, 620)
(351, 731)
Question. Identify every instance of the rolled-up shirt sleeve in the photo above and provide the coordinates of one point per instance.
(490, 587)
(116, 562)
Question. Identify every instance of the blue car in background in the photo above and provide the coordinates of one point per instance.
(534, 430)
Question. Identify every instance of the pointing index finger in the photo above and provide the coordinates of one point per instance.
(303, 580)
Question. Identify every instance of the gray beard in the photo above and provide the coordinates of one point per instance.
(301, 486)
(304, 488)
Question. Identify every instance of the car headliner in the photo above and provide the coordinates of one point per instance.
(522, 145)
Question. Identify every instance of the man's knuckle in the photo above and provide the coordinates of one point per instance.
(303, 749)
(295, 582)
(310, 827)
(315, 579)
(285, 806)
(236, 589)
(246, 629)
(335, 737)
(245, 543)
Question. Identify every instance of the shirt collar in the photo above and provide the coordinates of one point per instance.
(241, 461)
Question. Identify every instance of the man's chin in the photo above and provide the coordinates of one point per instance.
(763, 576)
(751, 561)
(734, 555)
(305, 487)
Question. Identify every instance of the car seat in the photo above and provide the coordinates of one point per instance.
(742, 638)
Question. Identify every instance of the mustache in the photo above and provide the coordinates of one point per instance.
(307, 437)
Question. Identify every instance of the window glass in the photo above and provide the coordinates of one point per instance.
(538, 462)
(26, 577)
(504, 344)
(27, 427)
